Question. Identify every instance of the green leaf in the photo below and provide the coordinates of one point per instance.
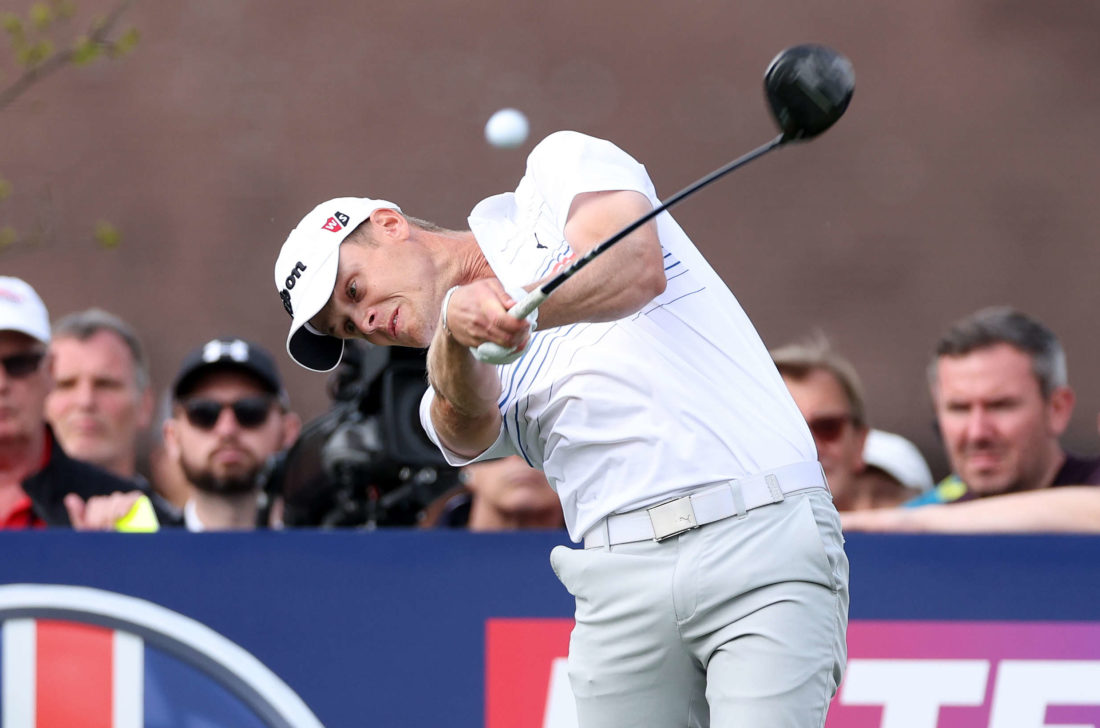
(85, 51)
(125, 44)
(13, 24)
(41, 15)
(34, 55)
(129, 40)
(107, 235)
(5, 189)
(8, 236)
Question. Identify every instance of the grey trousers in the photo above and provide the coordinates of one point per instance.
(738, 624)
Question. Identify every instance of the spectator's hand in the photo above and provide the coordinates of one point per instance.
(100, 512)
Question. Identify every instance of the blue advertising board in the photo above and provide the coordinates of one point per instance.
(391, 627)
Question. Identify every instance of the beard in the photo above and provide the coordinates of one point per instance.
(206, 480)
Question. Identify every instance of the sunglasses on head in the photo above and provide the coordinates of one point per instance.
(18, 366)
(830, 428)
(251, 412)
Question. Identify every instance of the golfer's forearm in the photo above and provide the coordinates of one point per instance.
(623, 279)
(464, 411)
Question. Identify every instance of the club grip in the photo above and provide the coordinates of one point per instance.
(530, 302)
(494, 353)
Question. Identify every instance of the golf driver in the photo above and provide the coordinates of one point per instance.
(808, 88)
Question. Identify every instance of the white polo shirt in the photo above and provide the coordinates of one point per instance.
(628, 413)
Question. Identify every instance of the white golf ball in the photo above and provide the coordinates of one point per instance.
(506, 128)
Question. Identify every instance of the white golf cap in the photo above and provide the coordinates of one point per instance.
(22, 310)
(305, 274)
(897, 457)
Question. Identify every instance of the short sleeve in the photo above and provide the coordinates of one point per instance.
(499, 449)
(568, 163)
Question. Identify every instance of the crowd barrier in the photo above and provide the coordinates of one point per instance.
(426, 629)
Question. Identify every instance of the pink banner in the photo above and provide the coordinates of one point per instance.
(970, 675)
(900, 675)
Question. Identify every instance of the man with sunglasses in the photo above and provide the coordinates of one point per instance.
(230, 416)
(40, 485)
(829, 394)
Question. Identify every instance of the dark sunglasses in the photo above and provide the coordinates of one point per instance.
(251, 412)
(828, 429)
(18, 366)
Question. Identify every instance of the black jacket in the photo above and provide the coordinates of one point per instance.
(63, 475)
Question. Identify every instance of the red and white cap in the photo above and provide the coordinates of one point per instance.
(22, 310)
(305, 275)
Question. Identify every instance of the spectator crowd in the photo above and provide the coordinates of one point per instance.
(82, 444)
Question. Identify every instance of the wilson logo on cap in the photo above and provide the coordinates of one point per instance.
(336, 222)
(291, 279)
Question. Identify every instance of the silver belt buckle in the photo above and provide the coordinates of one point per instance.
(672, 518)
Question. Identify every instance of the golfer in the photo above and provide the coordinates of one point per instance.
(710, 577)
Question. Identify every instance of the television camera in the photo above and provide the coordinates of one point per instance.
(366, 462)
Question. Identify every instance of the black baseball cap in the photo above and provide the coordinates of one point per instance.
(228, 354)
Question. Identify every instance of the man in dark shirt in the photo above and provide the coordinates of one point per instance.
(1002, 401)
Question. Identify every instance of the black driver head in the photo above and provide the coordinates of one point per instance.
(808, 88)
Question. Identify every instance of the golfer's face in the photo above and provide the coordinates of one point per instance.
(384, 293)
